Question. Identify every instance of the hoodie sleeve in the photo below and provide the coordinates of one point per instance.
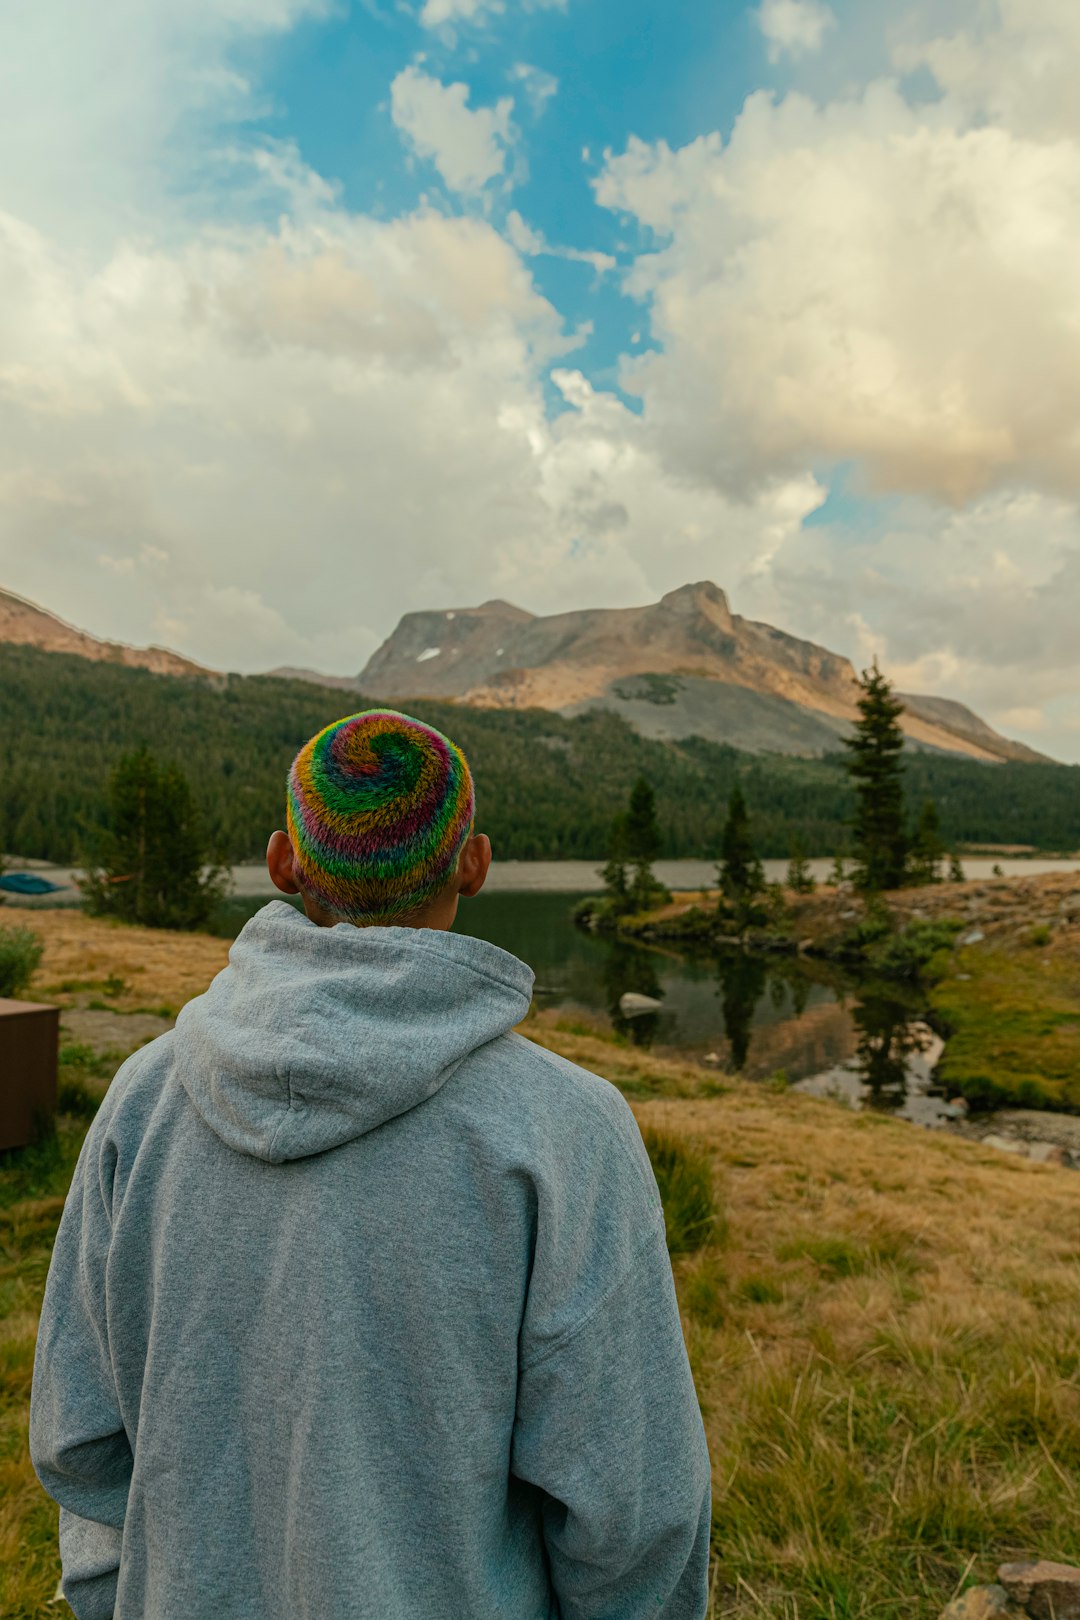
(608, 1425)
(78, 1443)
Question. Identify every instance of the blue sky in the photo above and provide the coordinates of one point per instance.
(659, 73)
(316, 313)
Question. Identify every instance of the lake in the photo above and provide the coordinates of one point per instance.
(760, 1016)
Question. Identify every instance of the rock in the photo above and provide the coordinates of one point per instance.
(982, 1603)
(1047, 1153)
(963, 978)
(1047, 1591)
(954, 1110)
(631, 1003)
(713, 1059)
(845, 916)
(805, 945)
(974, 936)
(1004, 1144)
(960, 1104)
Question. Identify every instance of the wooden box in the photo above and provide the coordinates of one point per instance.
(29, 1050)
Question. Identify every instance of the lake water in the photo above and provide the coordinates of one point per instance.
(757, 1015)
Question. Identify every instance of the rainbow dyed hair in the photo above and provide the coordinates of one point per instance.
(379, 805)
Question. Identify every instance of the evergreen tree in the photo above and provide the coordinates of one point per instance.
(800, 879)
(740, 874)
(615, 875)
(838, 875)
(642, 836)
(927, 846)
(956, 869)
(880, 835)
(153, 851)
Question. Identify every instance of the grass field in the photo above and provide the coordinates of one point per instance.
(884, 1324)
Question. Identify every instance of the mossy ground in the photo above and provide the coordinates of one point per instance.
(884, 1328)
(1012, 1014)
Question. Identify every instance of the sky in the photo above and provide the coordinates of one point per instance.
(318, 312)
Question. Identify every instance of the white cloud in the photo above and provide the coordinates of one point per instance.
(794, 27)
(467, 145)
(108, 117)
(532, 244)
(978, 604)
(1013, 64)
(444, 13)
(539, 86)
(866, 280)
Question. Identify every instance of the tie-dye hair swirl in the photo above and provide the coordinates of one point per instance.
(379, 805)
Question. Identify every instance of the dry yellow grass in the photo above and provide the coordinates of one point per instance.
(83, 953)
(885, 1333)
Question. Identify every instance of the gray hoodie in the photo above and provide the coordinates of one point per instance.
(361, 1307)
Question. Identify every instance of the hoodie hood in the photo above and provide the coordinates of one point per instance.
(312, 1036)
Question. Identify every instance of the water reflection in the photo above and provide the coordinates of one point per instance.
(889, 1036)
(743, 978)
(630, 969)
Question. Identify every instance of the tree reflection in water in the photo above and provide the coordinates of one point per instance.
(742, 977)
(888, 1037)
(628, 967)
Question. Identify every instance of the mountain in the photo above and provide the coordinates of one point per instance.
(24, 624)
(683, 666)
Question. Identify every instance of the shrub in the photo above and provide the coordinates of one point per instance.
(684, 1177)
(20, 953)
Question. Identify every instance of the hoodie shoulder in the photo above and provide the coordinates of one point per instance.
(579, 1119)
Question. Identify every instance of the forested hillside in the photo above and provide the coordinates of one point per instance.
(546, 786)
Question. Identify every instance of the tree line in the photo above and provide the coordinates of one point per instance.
(546, 785)
(889, 851)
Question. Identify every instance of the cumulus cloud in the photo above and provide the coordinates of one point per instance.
(467, 145)
(442, 13)
(1013, 64)
(867, 280)
(793, 27)
(106, 117)
(979, 604)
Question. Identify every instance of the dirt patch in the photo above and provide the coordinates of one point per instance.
(106, 1032)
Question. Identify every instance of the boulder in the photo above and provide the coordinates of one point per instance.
(983, 1603)
(975, 936)
(1005, 1144)
(630, 1003)
(1046, 1591)
(1047, 1153)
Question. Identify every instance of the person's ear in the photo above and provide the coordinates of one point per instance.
(474, 863)
(279, 863)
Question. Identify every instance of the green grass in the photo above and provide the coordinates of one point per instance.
(1013, 1027)
(684, 1177)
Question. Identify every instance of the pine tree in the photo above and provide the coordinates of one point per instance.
(740, 874)
(615, 875)
(800, 879)
(880, 836)
(927, 846)
(642, 835)
(154, 851)
(956, 869)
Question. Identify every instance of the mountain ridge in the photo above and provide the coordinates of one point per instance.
(25, 624)
(686, 665)
(680, 667)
